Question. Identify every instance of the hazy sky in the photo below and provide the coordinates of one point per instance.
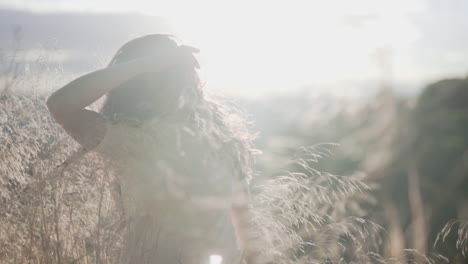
(257, 47)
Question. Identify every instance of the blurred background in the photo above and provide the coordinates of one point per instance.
(385, 81)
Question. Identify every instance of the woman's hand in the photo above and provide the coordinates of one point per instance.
(182, 56)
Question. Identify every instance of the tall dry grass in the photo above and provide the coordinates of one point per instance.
(52, 210)
(56, 204)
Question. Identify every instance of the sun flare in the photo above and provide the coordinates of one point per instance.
(264, 45)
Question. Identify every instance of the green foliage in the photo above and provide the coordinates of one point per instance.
(387, 139)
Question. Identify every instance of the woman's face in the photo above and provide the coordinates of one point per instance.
(147, 95)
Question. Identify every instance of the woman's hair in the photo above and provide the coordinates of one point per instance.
(150, 95)
(176, 93)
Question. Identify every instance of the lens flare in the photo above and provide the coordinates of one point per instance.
(216, 259)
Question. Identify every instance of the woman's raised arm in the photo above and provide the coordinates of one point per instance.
(86, 89)
(67, 105)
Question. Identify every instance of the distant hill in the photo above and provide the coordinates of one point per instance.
(88, 34)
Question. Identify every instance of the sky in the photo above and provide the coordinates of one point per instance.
(253, 48)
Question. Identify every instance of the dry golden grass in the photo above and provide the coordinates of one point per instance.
(51, 211)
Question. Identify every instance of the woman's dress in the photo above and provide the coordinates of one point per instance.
(176, 193)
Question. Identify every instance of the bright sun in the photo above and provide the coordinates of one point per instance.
(252, 47)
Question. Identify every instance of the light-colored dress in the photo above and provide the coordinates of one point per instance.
(176, 193)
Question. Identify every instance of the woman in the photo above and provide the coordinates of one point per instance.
(182, 160)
